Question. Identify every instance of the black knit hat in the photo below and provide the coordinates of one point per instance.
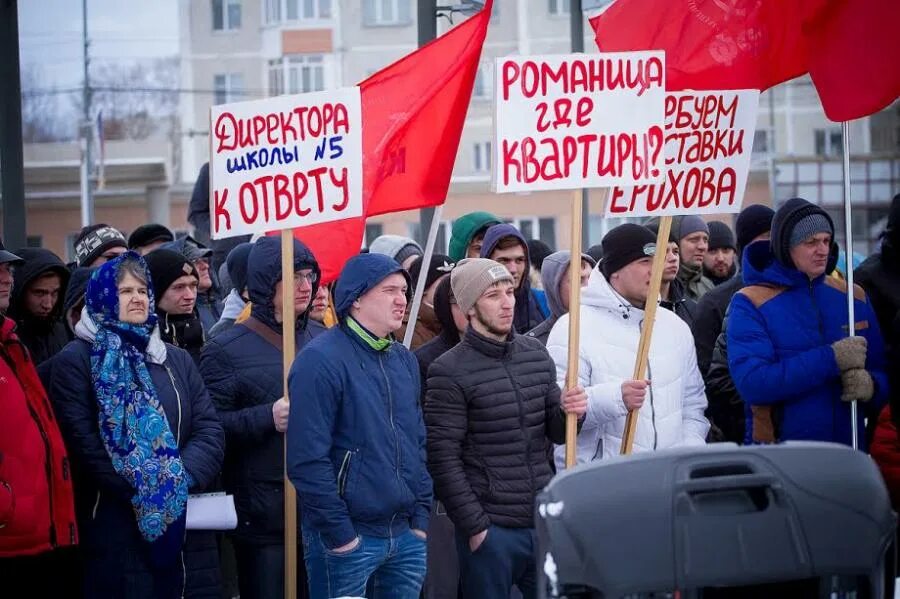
(595, 252)
(440, 265)
(720, 236)
(537, 251)
(147, 234)
(93, 240)
(166, 267)
(652, 223)
(786, 219)
(753, 221)
(624, 245)
(236, 263)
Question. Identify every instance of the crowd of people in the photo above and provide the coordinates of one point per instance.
(151, 369)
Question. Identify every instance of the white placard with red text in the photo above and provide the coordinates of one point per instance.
(708, 146)
(285, 162)
(578, 120)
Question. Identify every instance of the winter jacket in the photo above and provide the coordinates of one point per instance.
(780, 329)
(672, 415)
(234, 304)
(879, 275)
(491, 410)
(427, 327)
(116, 560)
(464, 229)
(182, 330)
(441, 344)
(527, 314)
(37, 512)
(886, 453)
(244, 374)
(726, 412)
(356, 448)
(679, 302)
(710, 317)
(695, 283)
(43, 337)
(552, 271)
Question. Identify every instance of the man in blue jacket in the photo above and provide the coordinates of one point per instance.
(356, 442)
(244, 373)
(788, 347)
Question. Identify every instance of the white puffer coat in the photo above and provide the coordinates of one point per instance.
(673, 413)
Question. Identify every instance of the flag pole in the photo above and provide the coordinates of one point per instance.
(848, 275)
(288, 321)
(574, 321)
(643, 353)
(423, 274)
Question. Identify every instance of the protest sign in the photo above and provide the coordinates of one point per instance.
(708, 144)
(285, 162)
(577, 120)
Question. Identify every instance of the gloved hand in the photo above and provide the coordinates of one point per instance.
(857, 384)
(850, 352)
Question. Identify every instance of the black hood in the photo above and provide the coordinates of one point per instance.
(264, 272)
(783, 223)
(38, 261)
(444, 311)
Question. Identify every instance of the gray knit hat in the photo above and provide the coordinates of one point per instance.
(808, 226)
(472, 277)
(689, 223)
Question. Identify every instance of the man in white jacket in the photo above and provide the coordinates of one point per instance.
(672, 401)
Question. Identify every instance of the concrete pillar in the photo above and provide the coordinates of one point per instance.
(158, 200)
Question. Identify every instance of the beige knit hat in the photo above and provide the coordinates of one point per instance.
(472, 277)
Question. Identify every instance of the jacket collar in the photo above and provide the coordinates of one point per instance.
(490, 347)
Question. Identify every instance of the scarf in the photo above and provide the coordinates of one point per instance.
(133, 426)
(371, 340)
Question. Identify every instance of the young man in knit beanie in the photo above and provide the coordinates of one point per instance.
(493, 401)
(719, 264)
(692, 234)
(789, 352)
(670, 402)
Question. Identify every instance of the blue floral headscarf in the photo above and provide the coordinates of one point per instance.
(133, 426)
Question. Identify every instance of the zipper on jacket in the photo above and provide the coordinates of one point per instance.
(96, 505)
(652, 404)
(391, 416)
(48, 471)
(177, 399)
(344, 472)
(521, 404)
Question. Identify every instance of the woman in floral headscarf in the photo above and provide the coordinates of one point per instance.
(142, 434)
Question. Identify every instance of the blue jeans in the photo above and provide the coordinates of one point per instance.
(505, 559)
(378, 568)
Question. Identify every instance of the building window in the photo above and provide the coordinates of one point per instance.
(547, 231)
(559, 7)
(229, 87)
(308, 9)
(34, 241)
(226, 15)
(484, 82)
(532, 227)
(297, 74)
(761, 142)
(386, 12)
(273, 11)
(829, 142)
(373, 231)
(441, 240)
(482, 157)
(276, 77)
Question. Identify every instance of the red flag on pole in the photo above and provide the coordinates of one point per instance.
(413, 114)
(849, 47)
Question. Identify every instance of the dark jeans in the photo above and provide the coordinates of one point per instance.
(378, 568)
(442, 579)
(504, 559)
(260, 570)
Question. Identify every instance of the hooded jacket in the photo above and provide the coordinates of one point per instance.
(243, 371)
(672, 415)
(527, 314)
(879, 274)
(779, 332)
(37, 512)
(552, 270)
(448, 337)
(464, 229)
(43, 337)
(356, 449)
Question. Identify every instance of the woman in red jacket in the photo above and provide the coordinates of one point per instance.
(37, 514)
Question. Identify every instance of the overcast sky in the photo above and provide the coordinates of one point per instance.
(50, 34)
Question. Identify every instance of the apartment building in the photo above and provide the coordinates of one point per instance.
(244, 49)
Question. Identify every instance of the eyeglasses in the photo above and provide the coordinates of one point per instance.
(310, 277)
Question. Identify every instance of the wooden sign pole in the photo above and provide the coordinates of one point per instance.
(574, 323)
(289, 318)
(643, 354)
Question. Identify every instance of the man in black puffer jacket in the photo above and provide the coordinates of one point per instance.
(243, 371)
(492, 409)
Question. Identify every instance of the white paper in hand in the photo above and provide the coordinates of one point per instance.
(211, 511)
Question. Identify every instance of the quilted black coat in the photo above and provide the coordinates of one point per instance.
(491, 411)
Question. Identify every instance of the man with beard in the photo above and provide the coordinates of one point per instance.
(492, 411)
(719, 262)
(692, 235)
(175, 283)
(244, 372)
(37, 303)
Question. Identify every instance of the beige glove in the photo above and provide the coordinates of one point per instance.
(850, 352)
(858, 385)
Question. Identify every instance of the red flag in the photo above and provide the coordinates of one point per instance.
(413, 113)
(849, 47)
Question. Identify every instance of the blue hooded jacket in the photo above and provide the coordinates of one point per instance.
(780, 329)
(527, 314)
(356, 438)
